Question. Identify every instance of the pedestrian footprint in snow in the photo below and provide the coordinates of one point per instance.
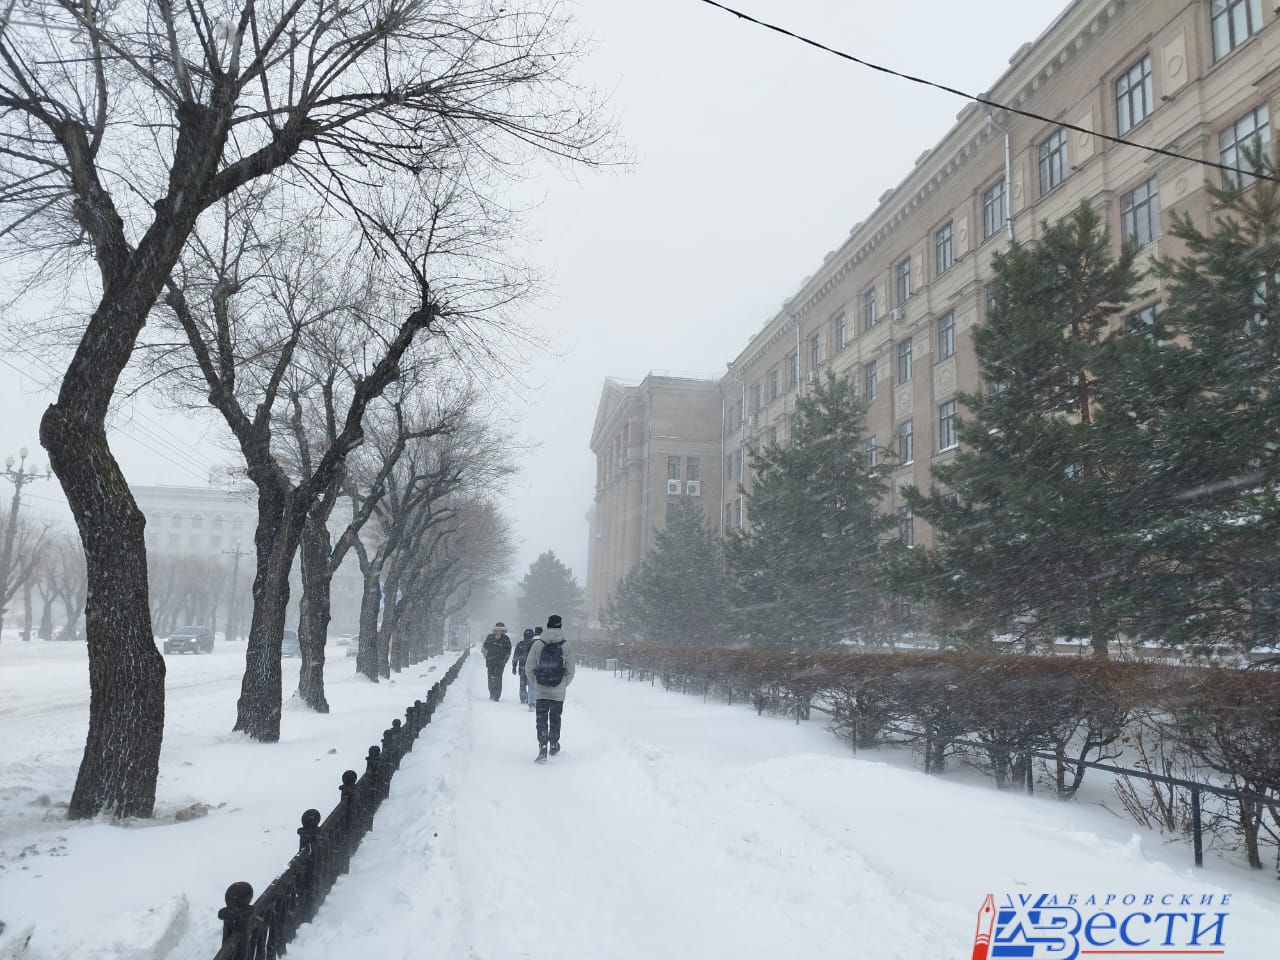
(518, 660)
(496, 649)
(549, 669)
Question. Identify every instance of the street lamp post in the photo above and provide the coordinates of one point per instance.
(18, 478)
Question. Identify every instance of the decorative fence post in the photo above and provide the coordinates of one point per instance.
(235, 919)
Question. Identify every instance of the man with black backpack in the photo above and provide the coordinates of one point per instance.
(550, 669)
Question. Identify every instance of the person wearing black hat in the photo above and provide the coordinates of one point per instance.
(496, 649)
(518, 659)
(550, 669)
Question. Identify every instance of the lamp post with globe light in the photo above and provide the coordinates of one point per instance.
(18, 478)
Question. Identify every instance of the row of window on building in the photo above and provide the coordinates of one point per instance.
(196, 522)
(1233, 22)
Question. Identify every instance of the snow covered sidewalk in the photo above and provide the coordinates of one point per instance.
(677, 829)
(227, 809)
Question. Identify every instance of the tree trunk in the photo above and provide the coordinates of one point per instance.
(26, 611)
(367, 654)
(126, 672)
(314, 613)
(46, 618)
(276, 543)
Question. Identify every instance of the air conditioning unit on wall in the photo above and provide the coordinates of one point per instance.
(693, 488)
(673, 488)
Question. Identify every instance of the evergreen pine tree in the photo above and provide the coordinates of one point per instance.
(804, 573)
(677, 593)
(1195, 406)
(549, 587)
(1025, 518)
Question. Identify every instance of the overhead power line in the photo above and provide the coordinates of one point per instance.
(975, 98)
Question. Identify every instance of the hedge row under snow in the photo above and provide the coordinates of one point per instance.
(1211, 725)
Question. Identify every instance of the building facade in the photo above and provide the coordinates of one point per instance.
(894, 306)
(214, 524)
(655, 441)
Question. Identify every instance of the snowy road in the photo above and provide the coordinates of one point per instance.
(672, 828)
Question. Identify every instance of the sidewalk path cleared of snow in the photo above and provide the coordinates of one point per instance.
(676, 829)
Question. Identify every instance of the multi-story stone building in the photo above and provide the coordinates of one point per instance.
(894, 305)
(655, 441)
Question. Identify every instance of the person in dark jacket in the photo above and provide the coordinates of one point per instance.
(549, 685)
(518, 658)
(496, 649)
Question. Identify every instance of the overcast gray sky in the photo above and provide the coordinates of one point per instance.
(753, 156)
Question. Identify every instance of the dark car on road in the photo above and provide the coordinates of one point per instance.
(189, 640)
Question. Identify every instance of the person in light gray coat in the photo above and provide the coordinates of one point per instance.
(550, 670)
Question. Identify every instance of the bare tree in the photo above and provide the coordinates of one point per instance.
(121, 123)
(28, 549)
(322, 556)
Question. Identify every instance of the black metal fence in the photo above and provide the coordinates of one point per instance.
(261, 929)
(800, 708)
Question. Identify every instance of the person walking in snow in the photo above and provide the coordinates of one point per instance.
(496, 649)
(550, 669)
(518, 660)
(533, 700)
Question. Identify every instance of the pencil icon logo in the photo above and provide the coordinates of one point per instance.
(986, 924)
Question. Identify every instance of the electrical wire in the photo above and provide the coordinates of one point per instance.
(134, 437)
(974, 98)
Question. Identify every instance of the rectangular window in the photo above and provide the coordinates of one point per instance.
(994, 211)
(1140, 213)
(737, 512)
(1053, 160)
(906, 443)
(1133, 95)
(869, 381)
(869, 309)
(773, 436)
(947, 437)
(947, 335)
(988, 299)
(943, 250)
(1233, 22)
(815, 352)
(773, 384)
(904, 361)
(673, 468)
(870, 452)
(728, 466)
(903, 273)
(1146, 322)
(907, 526)
(1253, 128)
(756, 392)
(793, 371)
(693, 468)
(842, 332)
